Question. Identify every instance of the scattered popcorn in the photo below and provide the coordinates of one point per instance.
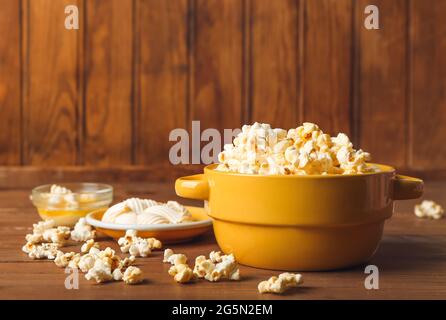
(56, 235)
(41, 226)
(215, 256)
(69, 259)
(42, 251)
(280, 284)
(167, 253)
(174, 258)
(117, 274)
(105, 266)
(98, 265)
(210, 270)
(44, 231)
(34, 238)
(203, 267)
(429, 209)
(83, 231)
(181, 273)
(108, 255)
(101, 272)
(146, 211)
(126, 262)
(86, 247)
(74, 263)
(154, 243)
(94, 250)
(306, 150)
(137, 246)
(28, 247)
(228, 268)
(132, 275)
(123, 265)
(86, 262)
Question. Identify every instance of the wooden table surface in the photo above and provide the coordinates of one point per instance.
(411, 260)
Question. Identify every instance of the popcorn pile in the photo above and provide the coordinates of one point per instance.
(50, 237)
(180, 271)
(215, 268)
(42, 251)
(98, 265)
(82, 231)
(105, 265)
(137, 246)
(45, 231)
(429, 209)
(220, 266)
(306, 150)
(281, 283)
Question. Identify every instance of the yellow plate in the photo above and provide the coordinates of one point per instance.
(164, 232)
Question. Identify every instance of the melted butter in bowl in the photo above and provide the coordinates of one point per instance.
(66, 204)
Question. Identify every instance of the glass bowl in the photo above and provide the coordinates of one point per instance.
(66, 209)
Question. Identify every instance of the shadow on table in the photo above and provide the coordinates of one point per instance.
(403, 253)
(406, 253)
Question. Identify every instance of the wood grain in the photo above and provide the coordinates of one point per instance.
(110, 93)
(10, 83)
(328, 64)
(217, 64)
(428, 84)
(411, 261)
(382, 74)
(274, 62)
(162, 76)
(32, 176)
(108, 83)
(52, 107)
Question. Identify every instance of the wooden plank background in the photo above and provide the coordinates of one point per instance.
(107, 95)
(52, 105)
(108, 54)
(10, 83)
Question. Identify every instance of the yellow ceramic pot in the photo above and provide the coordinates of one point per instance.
(299, 222)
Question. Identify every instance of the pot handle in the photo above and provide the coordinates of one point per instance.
(405, 187)
(192, 187)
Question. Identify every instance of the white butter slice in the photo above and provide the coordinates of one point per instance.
(146, 211)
